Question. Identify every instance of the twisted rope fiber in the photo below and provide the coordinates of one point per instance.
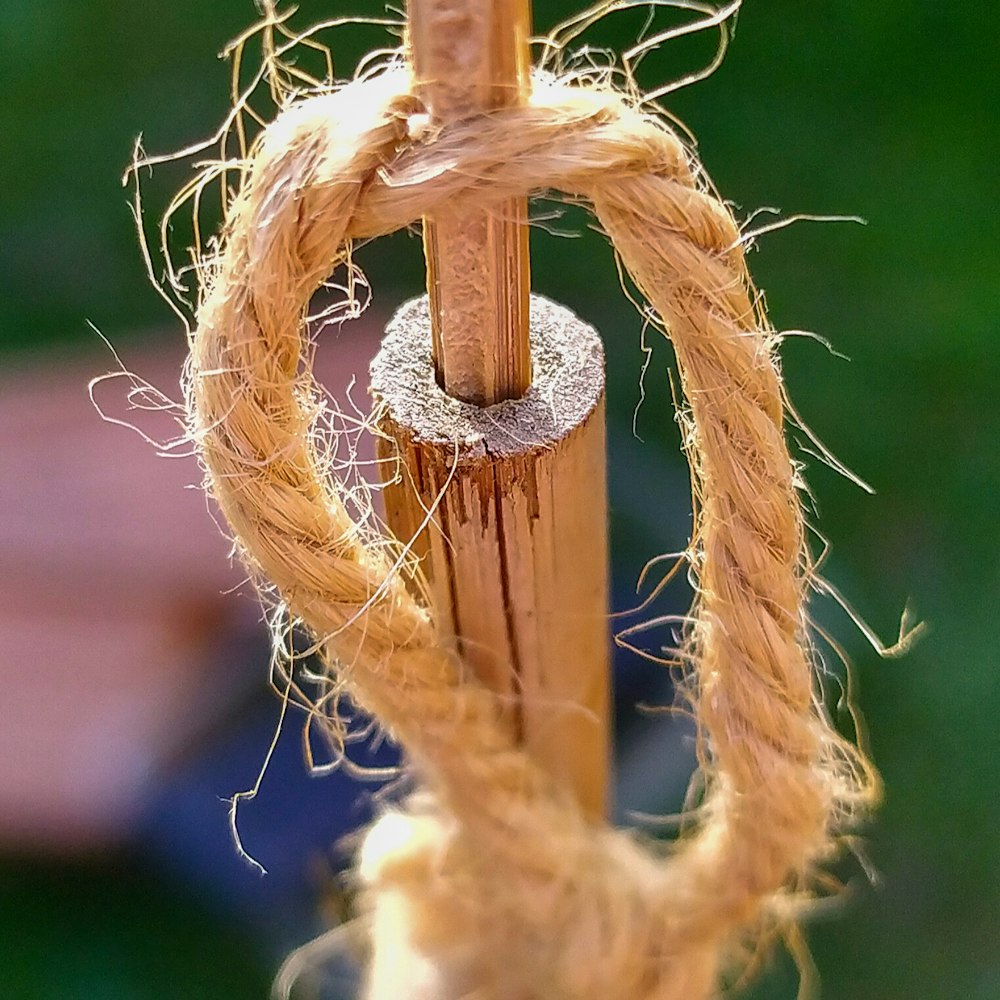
(489, 883)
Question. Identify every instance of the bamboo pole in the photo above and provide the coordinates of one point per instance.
(502, 434)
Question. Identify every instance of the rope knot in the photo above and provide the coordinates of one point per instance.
(492, 877)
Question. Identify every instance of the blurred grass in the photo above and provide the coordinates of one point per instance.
(883, 110)
(120, 933)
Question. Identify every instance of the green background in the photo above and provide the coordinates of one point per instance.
(884, 110)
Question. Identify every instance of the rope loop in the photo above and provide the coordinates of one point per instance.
(489, 883)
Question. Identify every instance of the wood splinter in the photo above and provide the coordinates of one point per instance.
(502, 434)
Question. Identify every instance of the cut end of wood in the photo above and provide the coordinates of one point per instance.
(568, 359)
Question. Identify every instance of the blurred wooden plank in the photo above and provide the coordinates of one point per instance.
(116, 625)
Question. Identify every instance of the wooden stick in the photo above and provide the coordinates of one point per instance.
(469, 56)
(517, 552)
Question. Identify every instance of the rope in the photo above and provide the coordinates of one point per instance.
(489, 883)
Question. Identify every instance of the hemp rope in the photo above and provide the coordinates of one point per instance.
(489, 883)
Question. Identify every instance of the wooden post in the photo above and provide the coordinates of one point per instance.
(502, 434)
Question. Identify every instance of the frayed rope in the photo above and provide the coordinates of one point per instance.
(489, 883)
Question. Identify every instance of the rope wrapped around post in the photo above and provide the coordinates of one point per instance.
(489, 882)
